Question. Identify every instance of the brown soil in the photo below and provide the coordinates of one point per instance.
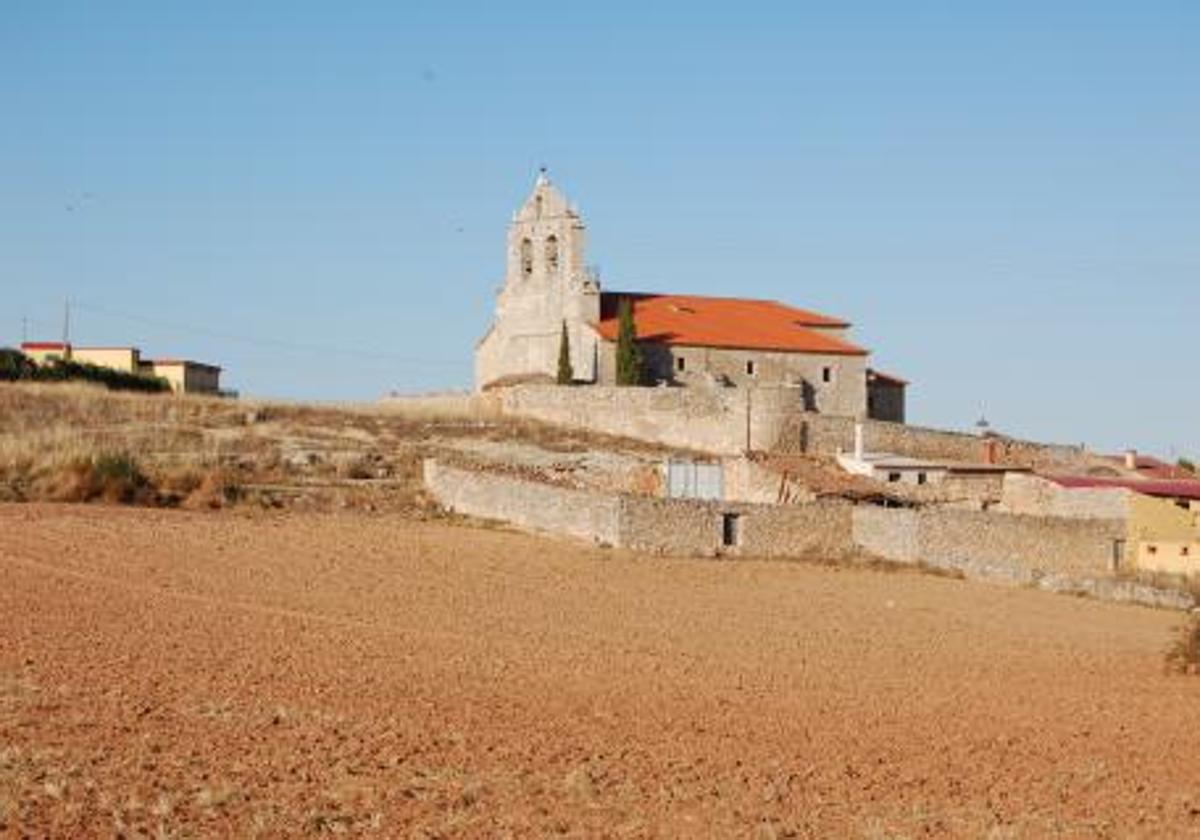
(197, 673)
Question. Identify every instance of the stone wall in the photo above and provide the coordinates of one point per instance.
(827, 382)
(731, 421)
(824, 434)
(542, 507)
(723, 421)
(1060, 555)
(989, 542)
(1034, 496)
(666, 526)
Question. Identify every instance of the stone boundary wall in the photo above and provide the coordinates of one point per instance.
(529, 504)
(665, 526)
(732, 421)
(983, 541)
(1059, 555)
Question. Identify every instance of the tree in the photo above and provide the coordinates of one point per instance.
(15, 365)
(1187, 464)
(629, 354)
(566, 375)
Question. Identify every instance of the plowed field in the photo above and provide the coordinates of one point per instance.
(219, 674)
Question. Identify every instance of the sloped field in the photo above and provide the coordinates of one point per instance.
(226, 674)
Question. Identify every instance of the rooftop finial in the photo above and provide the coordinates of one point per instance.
(542, 178)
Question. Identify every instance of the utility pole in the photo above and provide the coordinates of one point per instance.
(66, 338)
(24, 329)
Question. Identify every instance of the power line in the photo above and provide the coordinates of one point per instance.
(266, 342)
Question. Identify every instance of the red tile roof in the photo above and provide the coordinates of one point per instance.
(1151, 467)
(43, 345)
(1150, 487)
(726, 322)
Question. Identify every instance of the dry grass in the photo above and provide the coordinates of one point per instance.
(208, 452)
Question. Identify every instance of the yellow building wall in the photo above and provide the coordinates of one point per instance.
(118, 358)
(1152, 519)
(189, 378)
(1170, 556)
(41, 356)
(1164, 535)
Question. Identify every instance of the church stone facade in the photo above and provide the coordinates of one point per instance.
(686, 340)
(546, 284)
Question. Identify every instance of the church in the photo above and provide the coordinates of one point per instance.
(686, 340)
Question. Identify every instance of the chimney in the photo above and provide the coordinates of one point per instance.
(1131, 459)
(858, 440)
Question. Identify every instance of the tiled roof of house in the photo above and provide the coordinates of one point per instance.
(1151, 467)
(43, 345)
(1150, 487)
(726, 322)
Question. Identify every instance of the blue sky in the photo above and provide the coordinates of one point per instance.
(1004, 198)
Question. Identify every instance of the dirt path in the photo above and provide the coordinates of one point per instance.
(219, 674)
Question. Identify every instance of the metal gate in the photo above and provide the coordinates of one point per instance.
(691, 480)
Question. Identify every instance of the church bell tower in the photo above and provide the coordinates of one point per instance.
(546, 284)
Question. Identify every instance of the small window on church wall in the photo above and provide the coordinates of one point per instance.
(526, 256)
(827, 374)
(552, 252)
(680, 364)
(750, 368)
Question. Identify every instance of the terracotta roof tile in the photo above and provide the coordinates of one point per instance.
(726, 322)
(1150, 487)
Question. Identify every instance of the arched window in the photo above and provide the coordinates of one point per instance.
(552, 253)
(526, 257)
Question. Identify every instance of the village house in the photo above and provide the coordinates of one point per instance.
(183, 375)
(686, 340)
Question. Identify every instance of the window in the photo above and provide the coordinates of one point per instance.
(750, 368)
(552, 253)
(680, 364)
(921, 477)
(893, 477)
(827, 374)
(1183, 551)
(526, 257)
(1152, 549)
(730, 529)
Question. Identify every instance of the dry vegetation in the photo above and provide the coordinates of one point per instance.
(78, 443)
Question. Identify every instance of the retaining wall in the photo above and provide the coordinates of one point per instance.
(731, 421)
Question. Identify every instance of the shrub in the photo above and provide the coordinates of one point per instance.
(109, 476)
(15, 365)
(1183, 656)
(115, 380)
(1187, 464)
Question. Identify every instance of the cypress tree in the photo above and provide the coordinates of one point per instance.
(566, 375)
(629, 355)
